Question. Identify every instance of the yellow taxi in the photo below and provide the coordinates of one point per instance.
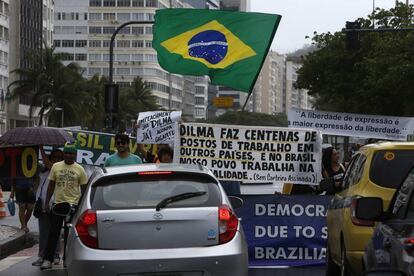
(375, 171)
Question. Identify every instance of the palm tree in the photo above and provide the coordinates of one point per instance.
(95, 101)
(51, 85)
(134, 99)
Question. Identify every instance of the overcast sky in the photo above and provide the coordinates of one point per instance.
(301, 18)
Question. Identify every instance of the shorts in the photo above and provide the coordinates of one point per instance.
(25, 196)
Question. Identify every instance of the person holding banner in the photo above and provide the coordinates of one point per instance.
(165, 155)
(122, 157)
(332, 168)
(67, 180)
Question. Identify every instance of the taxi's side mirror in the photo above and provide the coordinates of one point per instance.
(327, 185)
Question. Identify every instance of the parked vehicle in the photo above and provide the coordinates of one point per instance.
(392, 244)
(376, 170)
(164, 219)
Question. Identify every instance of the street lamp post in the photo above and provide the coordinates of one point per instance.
(111, 89)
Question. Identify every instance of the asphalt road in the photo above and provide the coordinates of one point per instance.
(21, 266)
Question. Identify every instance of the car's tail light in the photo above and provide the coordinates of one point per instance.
(228, 223)
(87, 229)
(154, 173)
(356, 221)
(409, 241)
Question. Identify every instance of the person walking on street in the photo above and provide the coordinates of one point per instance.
(122, 157)
(23, 189)
(67, 181)
(165, 155)
(44, 219)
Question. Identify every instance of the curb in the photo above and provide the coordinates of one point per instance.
(15, 243)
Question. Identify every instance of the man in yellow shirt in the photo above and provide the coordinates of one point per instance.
(67, 181)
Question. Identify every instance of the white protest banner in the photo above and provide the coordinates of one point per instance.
(252, 154)
(348, 124)
(157, 127)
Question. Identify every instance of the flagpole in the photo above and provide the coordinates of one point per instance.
(245, 103)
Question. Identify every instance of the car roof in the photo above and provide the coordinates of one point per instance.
(388, 146)
(188, 168)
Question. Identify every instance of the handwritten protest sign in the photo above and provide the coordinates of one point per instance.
(157, 127)
(252, 154)
(347, 124)
(18, 162)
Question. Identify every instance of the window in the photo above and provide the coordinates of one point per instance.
(80, 57)
(136, 71)
(137, 3)
(199, 90)
(81, 43)
(63, 16)
(137, 43)
(124, 3)
(105, 57)
(122, 71)
(106, 43)
(85, 16)
(151, 58)
(94, 71)
(81, 30)
(67, 43)
(67, 57)
(138, 16)
(122, 57)
(57, 43)
(109, 3)
(138, 193)
(58, 16)
(199, 112)
(152, 3)
(137, 30)
(95, 43)
(148, 30)
(95, 16)
(148, 43)
(125, 30)
(109, 16)
(123, 17)
(385, 161)
(68, 29)
(95, 30)
(77, 16)
(137, 57)
(95, 57)
(150, 16)
(123, 43)
(108, 30)
(199, 100)
(354, 173)
(95, 3)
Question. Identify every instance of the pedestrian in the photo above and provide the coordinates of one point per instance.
(332, 168)
(165, 155)
(148, 156)
(44, 219)
(122, 156)
(23, 189)
(67, 181)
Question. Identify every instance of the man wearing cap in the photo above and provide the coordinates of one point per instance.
(67, 180)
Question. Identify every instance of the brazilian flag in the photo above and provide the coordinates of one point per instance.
(228, 46)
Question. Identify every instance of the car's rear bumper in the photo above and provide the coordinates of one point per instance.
(221, 260)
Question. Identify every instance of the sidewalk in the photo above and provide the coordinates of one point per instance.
(12, 239)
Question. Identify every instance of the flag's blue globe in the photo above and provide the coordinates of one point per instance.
(209, 45)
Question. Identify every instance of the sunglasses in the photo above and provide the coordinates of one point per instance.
(121, 143)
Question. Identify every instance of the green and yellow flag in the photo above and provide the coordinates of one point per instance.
(230, 47)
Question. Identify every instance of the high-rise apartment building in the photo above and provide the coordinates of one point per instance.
(204, 4)
(83, 30)
(294, 97)
(4, 60)
(27, 26)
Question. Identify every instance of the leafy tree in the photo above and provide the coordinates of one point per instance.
(51, 85)
(95, 103)
(377, 78)
(249, 119)
(134, 99)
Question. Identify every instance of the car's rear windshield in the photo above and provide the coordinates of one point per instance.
(390, 167)
(146, 191)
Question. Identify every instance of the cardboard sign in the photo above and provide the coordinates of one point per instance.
(157, 127)
(252, 154)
